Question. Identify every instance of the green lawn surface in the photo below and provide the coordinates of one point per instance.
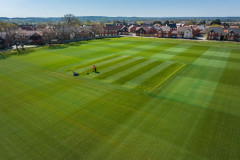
(151, 99)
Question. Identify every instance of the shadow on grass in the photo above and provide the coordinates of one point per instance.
(53, 47)
(7, 53)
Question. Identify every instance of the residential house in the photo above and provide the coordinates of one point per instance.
(141, 31)
(164, 32)
(233, 34)
(111, 30)
(132, 29)
(215, 33)
(174, 34)
(185, 32)
(146, 31)
(123, 31)
(154, 29)
(29, 37)
(196, 31)
(36, 37)
(202, 29)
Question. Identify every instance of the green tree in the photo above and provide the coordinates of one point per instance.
(166, 22)
(157, 22)
(217, 21)
(201, 22)
(226, 24)
(116, 22)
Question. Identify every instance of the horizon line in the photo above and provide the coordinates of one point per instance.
(137, 17)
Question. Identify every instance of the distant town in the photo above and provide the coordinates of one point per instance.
(70, 28)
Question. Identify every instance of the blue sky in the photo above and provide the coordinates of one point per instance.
(139, 8)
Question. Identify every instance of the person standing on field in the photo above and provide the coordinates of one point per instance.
(93, 68)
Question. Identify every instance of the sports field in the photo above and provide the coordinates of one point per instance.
(151, 99)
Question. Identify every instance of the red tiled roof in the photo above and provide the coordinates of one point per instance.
(146, 28)
(27, 28)
(234, 27)
(113, 28)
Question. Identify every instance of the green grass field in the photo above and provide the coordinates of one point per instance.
(152, 99)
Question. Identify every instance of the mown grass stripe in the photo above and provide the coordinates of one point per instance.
(191, 54)
(109, 50)
(102, 63)
(118, 75)
(138, 72)
(141, 78)
(110, 63)
(154, 50)
(171, 52)
(156, 80)
(119, 69)
(92, 62)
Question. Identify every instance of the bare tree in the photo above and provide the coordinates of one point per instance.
(63, 31)
(69, 28)
(10, 30)
(69, 19)
(75, 29)
(21, 38)
(48, 35)
(97, 28)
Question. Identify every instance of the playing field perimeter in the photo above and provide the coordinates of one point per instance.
(150, 99)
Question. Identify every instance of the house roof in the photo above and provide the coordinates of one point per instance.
(144, 28)
(86, 28)
(225, 31)
(201, 27)
(27, 28)
(234, 27)
(132, 26)
(183, 29)
(124, 27)
(165, 28)
(195, 28)
(156, 27)
(138, 28)
(172, 25)
(113, 28)
(234, 30)
(29, 33)
(218, 30)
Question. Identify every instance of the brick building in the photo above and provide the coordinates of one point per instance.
(215, 33)
(164, 32)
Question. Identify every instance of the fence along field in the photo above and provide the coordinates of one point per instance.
(152, 99)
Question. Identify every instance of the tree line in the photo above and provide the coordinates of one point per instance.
(66, 29)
